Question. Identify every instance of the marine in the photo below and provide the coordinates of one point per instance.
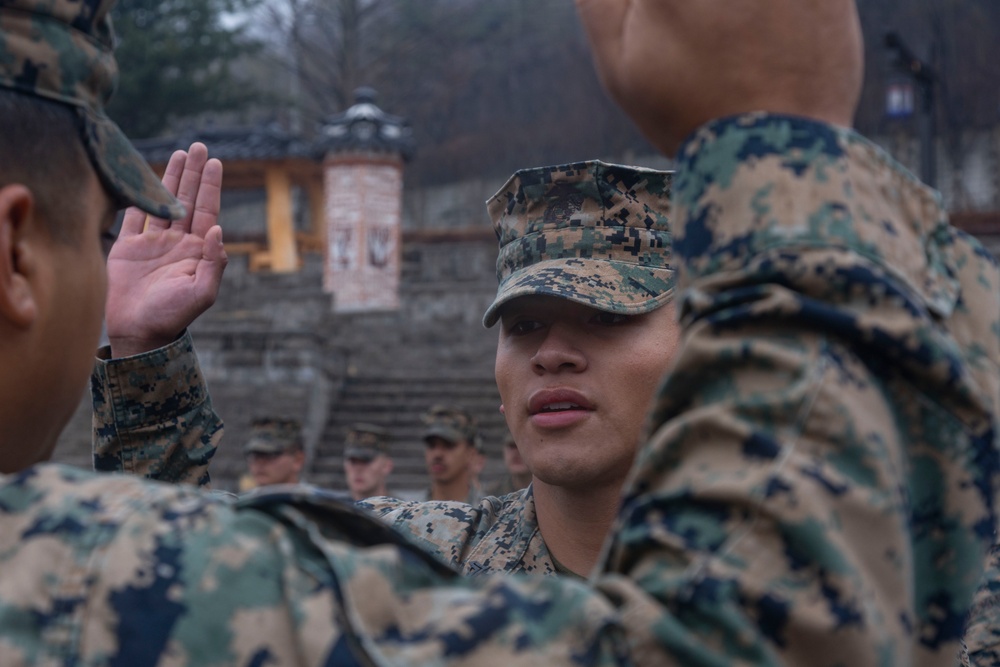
(587, 331)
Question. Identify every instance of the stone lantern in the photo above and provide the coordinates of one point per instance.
(364, 149)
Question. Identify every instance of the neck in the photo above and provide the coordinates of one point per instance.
(575, 522)
(376, 492)
(456, 489)
(522, 480)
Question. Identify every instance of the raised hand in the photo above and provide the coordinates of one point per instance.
(163, 274)
(673, 65)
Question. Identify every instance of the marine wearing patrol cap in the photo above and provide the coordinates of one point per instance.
(450, 423)
(365, 442)
(592, 232)
(62, 50)
(274, 436)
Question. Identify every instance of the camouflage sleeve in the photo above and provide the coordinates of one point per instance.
(445, 529)
(819, 488)
(102, 570)
(982, 634)
(153, 416)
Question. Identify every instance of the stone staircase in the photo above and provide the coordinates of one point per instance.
(396, 403)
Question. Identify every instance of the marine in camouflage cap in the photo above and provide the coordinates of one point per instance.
(62, 50)
(365, 442)
(591, 232)
(450, 423)
(274, 436)
(452, 454)
(367, 464)
(274, 451)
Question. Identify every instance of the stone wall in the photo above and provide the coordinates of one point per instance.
(271, 345)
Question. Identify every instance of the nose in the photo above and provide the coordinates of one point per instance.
(557, 352)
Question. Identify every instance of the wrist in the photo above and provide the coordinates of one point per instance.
(130, 346)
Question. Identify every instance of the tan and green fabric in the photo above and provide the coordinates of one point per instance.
(62, 51)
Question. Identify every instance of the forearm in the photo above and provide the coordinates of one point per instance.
(153, 416)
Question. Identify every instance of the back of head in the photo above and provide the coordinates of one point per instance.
(59, 52)
(591, 232)
(450, 423)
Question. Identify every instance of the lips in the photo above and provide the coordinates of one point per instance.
(549, 401)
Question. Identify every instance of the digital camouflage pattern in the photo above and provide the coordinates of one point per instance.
(818, 488)
(592, 232)
(982, 634)
(365, 441)
(271, 435)
(153, 416)
(499, 534)
(62, 50)
(450, 423)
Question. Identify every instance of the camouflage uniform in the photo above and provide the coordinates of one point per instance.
(493, 535)
(270, 435)
(982, 634)
(819, 488)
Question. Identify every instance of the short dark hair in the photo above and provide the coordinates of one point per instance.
(41, 148)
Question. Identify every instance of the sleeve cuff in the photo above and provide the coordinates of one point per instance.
(148, 387)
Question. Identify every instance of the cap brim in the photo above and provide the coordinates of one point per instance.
(607, 285)
(123, 170)
(449, 434)
(262, 448)
(360, 453)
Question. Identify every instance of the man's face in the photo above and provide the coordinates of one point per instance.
(275, 468)
(366, 477)
(448, 461)
(70, 284)
(576, 385)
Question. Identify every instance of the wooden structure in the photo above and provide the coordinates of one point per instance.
(268, 159)
(363, 182)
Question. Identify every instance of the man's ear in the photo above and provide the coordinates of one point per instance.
(18, 262)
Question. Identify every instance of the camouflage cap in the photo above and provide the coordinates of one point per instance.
(62, 50)
(591, 232)
(274, 436)
(365, 441)
(450, 423)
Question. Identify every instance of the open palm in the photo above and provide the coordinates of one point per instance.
(163, 274)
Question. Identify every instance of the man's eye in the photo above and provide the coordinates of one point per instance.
(522, 327)
(606, 318)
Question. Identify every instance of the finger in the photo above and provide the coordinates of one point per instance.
(171, 179)
(190, 181)
(208, 274)
(133, 223)
(206, 208)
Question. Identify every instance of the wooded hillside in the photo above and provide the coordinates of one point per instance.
(487, 86)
